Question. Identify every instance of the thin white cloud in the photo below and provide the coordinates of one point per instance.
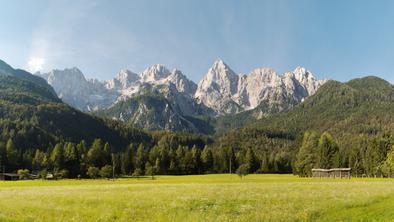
(71, 34)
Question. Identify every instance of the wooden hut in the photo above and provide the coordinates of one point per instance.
(332, 173)
(9, 176)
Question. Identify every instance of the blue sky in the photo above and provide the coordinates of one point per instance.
(334, 39)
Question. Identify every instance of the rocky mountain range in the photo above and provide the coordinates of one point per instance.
(227, 93)
(128, 96)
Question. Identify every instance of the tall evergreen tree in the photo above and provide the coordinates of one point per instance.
(388, 164)
(3, 156)
(57, 157)
(96, 155)
(140, 158)
(306, 156)
(207, 159)
(196, 158)
(12, 154)
(71, 160)
(250, 159)
(127, 160)
(327, 150)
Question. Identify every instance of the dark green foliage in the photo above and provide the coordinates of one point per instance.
(243, 170)
(57, 157)
(106, 171)
(23, 173)
(388, 164)
(306, 157)
(137, 173)
(359, 115)
(93, 172)
(7, 70)
(327, 152)
(207, 159)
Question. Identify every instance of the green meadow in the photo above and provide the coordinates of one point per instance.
(199, 198)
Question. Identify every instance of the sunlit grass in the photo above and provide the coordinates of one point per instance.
(199, 198)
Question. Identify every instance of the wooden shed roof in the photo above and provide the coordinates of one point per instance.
(331, 170)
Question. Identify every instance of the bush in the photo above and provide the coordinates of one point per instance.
(43, 174)
(61, 174)
(93, 172)
(106, 171)
(23, 174)
(137, 173)
(242, 170)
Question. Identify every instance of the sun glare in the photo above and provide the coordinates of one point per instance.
(36, 64)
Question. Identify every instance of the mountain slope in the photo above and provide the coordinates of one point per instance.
(33, 116)
(359, 114)
(159, 108)
(360, 108)
(7, 70)
(361, 104)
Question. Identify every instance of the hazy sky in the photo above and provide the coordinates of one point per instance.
(334, 39)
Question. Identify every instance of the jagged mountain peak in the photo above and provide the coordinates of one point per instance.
(263, 74)
(302, 73)
(177, 72)
(71, 74)
(154, 73)
(124, 79)
(220, 69)
(217, 87)
(126, 74)
(219, 64)
(222, 75)
(221, 87)
(182, 83)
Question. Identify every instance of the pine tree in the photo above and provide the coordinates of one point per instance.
(207, 159)
(388, 164)
(3, 155)
(196, 158)
(157, 166)
(250, 159)
(180, 159)
(57, 157)
(96, 155)
(149, 170)
(140, 158)
(71, 159)
(306, 156)
(12, 154)
(327, 150)
(127, 160)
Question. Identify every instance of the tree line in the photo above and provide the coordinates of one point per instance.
(176, 155)
(183, 153)
(370, 157)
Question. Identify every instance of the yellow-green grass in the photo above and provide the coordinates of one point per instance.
(199, 198)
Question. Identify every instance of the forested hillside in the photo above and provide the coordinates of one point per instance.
(358, 115)
(42, 134)
(32, 117)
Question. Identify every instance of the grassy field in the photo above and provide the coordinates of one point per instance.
(199, 198)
